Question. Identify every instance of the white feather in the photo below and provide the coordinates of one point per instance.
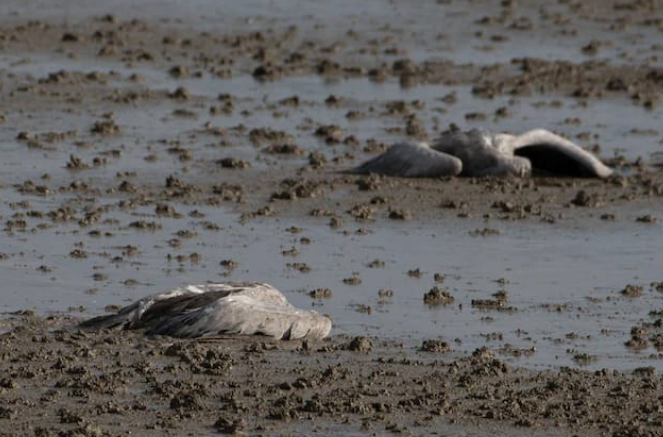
(244, 308)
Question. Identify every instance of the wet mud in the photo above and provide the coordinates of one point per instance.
(92, 384)
(155, 145)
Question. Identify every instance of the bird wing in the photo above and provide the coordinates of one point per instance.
(554, 154)
(165, 309)
(246, 315)
(153, 309)
(131, 315)
(411, 160)
(209, 309)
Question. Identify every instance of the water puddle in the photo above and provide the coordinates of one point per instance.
(564, 286)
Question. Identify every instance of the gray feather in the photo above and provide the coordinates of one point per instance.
(480, 153)
(411, 160)
(245, 308)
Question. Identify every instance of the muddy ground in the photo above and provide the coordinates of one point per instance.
(61, 381)
(148, 146)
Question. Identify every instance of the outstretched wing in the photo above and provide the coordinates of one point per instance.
(556, 155)
(411, 160)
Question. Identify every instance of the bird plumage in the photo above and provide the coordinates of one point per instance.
(412, 160)
(244, 308)
(479, 153)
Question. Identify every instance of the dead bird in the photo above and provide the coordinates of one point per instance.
(243, 308)
(478, 153)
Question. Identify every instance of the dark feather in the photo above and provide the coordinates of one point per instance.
(170, 308)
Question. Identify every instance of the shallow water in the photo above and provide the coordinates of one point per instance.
(616, 125)
(449, 24)
(543, 265)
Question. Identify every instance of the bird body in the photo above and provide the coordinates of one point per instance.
(243, 308)
(479, 153)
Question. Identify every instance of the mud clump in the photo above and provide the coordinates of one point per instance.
(362, 212)
(106, 127)
(499, 303)
(332, 134)
(185, 401)
(180, 93)
(632, 291)
(436, 346)
(268, 72)
(637, 342)
(360, 344)
(415, 127)
(233, 163)
(321, 293)
(260, 136)
(166, 210)
(352, 280)
(226, 425)
(585, 199)
(648, 218)
(201, 359)
(76, 163)
(437, 296)
(7, 413)
(229, 192)
(284, 149)
(371, 182)
(485, 232)
(400, 214)
(301, 267)
(298, 190)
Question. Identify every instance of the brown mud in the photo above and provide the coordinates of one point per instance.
(92, 384)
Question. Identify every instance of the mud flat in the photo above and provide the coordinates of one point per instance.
(151, 146)
(109, 383)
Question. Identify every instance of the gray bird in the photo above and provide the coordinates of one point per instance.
(480, 153)
(244, 308)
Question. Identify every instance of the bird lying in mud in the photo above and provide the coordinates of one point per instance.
(481, 153)
(245, 308)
